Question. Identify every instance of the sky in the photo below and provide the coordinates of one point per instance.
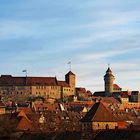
(42, 36)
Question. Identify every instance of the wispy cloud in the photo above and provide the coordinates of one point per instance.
(44, 36)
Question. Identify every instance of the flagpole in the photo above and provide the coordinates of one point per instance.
(25, 72)
(69, 65)
(25, 76)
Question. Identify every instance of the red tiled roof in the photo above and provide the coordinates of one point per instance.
(81, 89)
(109, 70)
(2, 105)
(24, 124)
(124, 94)
(63, 84)
(22, 114)
(9, 80)
(109, 100)
(100, 113)
(116, 86)
(45, 106)
(27, 110)
(48, 81)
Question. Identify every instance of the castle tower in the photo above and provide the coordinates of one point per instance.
(70, 79)
(109, 82)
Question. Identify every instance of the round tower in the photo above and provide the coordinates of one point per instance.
(109, 81)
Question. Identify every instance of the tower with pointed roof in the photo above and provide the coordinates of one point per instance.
(109, 82)
(70, 80)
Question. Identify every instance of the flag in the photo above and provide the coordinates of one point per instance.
(24, 71)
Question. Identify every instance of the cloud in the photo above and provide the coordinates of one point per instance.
(44, 36)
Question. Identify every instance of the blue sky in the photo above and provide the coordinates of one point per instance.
(42, 36)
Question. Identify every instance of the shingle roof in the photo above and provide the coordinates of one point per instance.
(99, 113)
(81, 89)
(110, 100)
(45, 106)
(116, 86)
(124, 94)
(24, 124)
(63, 84)
(109, 70)
(2, 104)
(22, 114)
(9, 80)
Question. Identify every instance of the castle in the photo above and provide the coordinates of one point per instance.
(18, 88)
(128, 99)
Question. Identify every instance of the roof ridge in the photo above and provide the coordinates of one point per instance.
(22, 114)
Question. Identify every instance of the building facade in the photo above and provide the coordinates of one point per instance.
(102, 117)
(19, 88)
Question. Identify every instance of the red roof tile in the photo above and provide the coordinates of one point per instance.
(2, 105)
(24, 124)
(109, 70)
(109, 100)
(9, 80)
(22, 114)
(63, 84)
(116, 86)
(100, 113)
(27, 110)
(45, 106)
(124, 94)
(81, 89)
